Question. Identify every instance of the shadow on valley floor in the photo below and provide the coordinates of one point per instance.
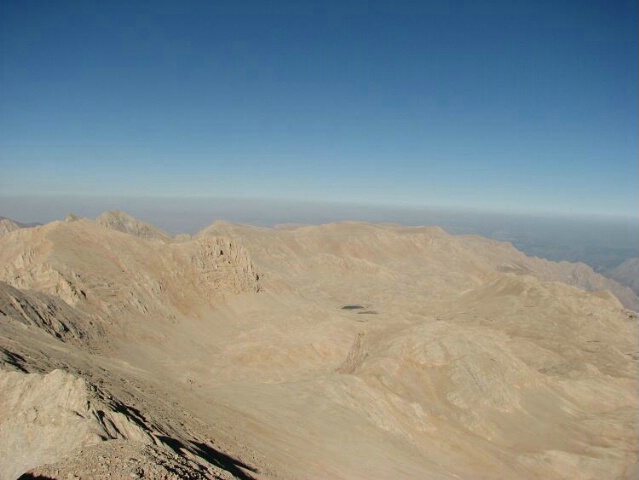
(211, 455)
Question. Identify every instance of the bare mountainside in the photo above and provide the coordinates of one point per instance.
(627, 273)
(124, 222)
(7, 226)
(348, 350)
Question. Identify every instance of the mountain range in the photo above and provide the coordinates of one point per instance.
(346, 350)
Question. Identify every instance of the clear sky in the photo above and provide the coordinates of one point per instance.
(519, 106)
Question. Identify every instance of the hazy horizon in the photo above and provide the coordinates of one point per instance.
(600, 241)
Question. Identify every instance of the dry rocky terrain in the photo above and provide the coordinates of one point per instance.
(345, 351)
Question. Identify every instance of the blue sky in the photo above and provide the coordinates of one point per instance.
(524, 106)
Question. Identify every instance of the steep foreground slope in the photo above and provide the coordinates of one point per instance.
(337, 351)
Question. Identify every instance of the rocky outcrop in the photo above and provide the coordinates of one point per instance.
(46, 417)
(58, 425)
(220, 264)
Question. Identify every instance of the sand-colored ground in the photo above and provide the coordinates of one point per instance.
(127, 354)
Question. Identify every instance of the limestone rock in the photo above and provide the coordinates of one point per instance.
(46, 417)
